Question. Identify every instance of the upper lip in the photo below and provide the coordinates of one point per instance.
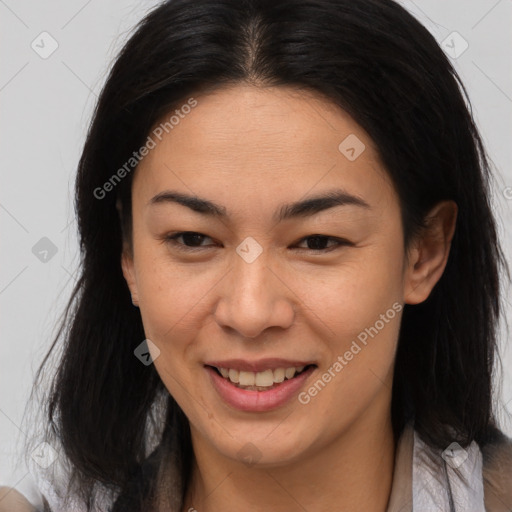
(258, 366)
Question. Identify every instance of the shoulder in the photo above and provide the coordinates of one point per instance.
(497, 473)
(12, 501)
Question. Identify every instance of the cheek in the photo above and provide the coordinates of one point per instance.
(352, 296)
(360, 307)
(169, 293)
(172, 315)
(175, 305)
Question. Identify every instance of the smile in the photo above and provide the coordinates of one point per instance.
(259, 381)
(258, 391)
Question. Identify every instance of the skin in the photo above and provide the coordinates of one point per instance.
(251, 149)
(12, 501)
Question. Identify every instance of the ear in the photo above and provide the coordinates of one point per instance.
(129, 274)
(428, 255)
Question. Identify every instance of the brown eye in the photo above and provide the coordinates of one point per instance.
(191, 240)
(319, 243)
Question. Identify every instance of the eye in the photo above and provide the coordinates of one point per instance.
(318, 243)
(191, 240)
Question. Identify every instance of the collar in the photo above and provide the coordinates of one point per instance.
(426, 479)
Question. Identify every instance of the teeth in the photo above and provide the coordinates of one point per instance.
(233, 375)
(289, 373)
(246, 378)
(263, 379)
(279, 374)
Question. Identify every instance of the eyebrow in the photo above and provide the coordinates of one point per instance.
(304, 208)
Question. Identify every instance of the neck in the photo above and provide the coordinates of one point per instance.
(354, 472)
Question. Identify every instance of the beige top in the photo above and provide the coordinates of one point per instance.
(489, 478)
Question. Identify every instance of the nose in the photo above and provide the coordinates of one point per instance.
(254, 297)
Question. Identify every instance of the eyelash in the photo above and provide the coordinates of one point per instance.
(171, 239)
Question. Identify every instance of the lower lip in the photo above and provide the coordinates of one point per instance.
(258, 401)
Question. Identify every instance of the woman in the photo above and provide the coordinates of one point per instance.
(290, 273)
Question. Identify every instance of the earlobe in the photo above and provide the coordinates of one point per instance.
(429, 255)
(129, 276)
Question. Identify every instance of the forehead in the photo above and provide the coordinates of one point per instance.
(248, 142)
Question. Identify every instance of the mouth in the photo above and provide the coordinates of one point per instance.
(273, 385)
(260, 381)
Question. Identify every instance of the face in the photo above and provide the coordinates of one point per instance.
(293, 268)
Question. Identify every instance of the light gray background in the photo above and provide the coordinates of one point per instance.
(47, 103)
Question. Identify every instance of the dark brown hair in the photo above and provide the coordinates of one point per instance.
(378, 63)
